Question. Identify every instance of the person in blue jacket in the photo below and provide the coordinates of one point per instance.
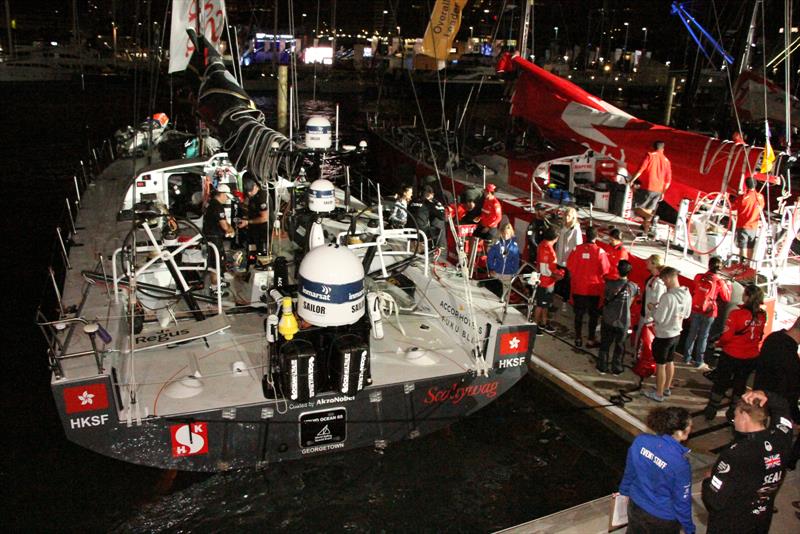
(658, 477)
(503, 256)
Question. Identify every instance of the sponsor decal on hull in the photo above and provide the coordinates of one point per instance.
(189, 439)
(86, 398)
(324, 430)
(77, 423)
(455, 320)
(456, 393)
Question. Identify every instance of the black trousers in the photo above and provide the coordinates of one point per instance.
(732, 373)
(612, 337)
(584, 304)
(640, 522)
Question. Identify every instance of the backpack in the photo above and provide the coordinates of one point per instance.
(704, 297)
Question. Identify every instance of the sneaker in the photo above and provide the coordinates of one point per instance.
(653, 395)
(667, 392)
(710, 413)
(550, 329)
(539, 332)
(578, 342)
(702, 367)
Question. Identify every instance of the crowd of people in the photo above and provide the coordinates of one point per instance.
(673, 321)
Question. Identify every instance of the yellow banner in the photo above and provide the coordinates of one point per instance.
(442, 28)
(767, 158)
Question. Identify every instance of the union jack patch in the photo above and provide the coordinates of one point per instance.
(772, 461)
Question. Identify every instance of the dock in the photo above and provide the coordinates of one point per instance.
(572, 370)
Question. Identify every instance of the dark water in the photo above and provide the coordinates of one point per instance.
(526, 455)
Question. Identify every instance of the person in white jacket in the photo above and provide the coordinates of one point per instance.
(673, 307)
(653, 289)
(569, 237)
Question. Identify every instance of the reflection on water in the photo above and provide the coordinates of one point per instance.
(506, 464)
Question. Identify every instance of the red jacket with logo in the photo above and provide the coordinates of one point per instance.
(491, 213)
(546, 263)
(743, 334)
(588, 265)
(748, 208)
(615, 255)
(722, 292)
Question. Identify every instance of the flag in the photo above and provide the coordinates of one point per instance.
(86, 398)
(514, 342)
(442, 28)
(768, 156)
(212, 22)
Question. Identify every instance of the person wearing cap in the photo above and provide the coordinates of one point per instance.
(491, 215)
(215, 224)
(539, 223)
(257, 220)
(748, 207)
(616, 253)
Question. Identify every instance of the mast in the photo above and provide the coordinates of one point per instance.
(8, 29)
(524, 28)
(787, 72)
(745, 61)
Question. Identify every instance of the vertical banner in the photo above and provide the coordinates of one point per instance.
(442, 28)
(211, 23)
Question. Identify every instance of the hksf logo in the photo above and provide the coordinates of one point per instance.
(85, 398)
(189, 440)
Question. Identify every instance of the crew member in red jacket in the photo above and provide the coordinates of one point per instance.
(654, 177)
(740, 343)
(588, 265)
(748, 207)
(491, 215)
(550, 273)
(708, 287)
(616, 253)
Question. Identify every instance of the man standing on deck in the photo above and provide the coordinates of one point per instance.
(257, 220)
(748, 207)
(550, 273)
(490, 217)
(740, 489)
(654, 178)
(588, 265)
(673, 307)
(216, 226)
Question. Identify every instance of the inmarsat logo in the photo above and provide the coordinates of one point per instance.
(326, 290)
(189, 440)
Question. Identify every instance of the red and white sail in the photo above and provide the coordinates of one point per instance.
(567, 115)
(205, 17)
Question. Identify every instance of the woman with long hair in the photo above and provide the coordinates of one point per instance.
(740, 343)
(658, 477)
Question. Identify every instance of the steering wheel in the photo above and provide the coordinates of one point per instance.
(368, 219)
(710, 215)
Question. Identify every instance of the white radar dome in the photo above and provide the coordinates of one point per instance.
(321, 196)
(318, 133)
(331, 287)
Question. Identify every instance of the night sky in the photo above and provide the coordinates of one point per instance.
(579, 22)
